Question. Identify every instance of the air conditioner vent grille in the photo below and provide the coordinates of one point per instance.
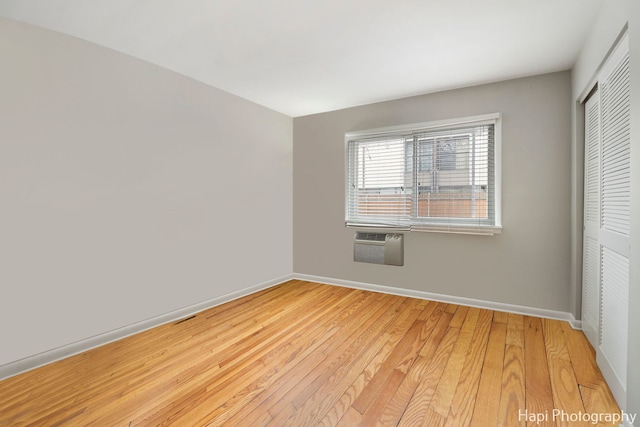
(372, 237)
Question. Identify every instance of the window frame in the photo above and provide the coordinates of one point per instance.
(434, 224)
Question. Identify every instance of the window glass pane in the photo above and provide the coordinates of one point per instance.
(457, 187)
(443, 176)
(446, 154)
(380, 179)
(425, 156)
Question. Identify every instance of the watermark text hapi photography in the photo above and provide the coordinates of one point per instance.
(614, 418)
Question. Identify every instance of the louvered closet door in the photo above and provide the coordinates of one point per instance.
(591, 245)
(615, 212)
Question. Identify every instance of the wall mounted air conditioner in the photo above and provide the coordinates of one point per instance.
(379, 248)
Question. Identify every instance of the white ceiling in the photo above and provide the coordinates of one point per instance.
(307, 56)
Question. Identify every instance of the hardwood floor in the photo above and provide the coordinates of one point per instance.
(306, 354)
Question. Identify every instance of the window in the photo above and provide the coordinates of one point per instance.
(438, 176)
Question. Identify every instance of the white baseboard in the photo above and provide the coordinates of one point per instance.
(491, 305)
(28, 363)
(615, 385)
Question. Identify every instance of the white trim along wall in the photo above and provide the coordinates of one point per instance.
(59, 353)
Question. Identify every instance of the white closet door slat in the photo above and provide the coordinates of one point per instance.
(616, 150)
(592, 169)
(614, 312)
(591, 246)
(591, 289)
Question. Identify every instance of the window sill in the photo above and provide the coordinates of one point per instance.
(482, 230)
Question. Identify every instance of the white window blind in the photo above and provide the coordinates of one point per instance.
(438, 176)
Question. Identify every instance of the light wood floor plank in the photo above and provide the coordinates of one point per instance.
(512, 399)
(276, 363)
(233, 376)
(328, 392)
(264, 389)
(487, 405)
(464, 400)
(443, 396)
(396, 333)
(399, 364)
(500, 317)
(539, 397)
(599, 400)
(433, 419)
(438, 321)
(428, 381)
(587, 372)
(379, 381)
(307, 370)
(564, 385)
(307, 385)
(374, 411)
(351, 418)
(307, 354)
(458, 317)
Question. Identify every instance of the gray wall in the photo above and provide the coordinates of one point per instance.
(127, 191)
(610, 22)
(528, 264)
